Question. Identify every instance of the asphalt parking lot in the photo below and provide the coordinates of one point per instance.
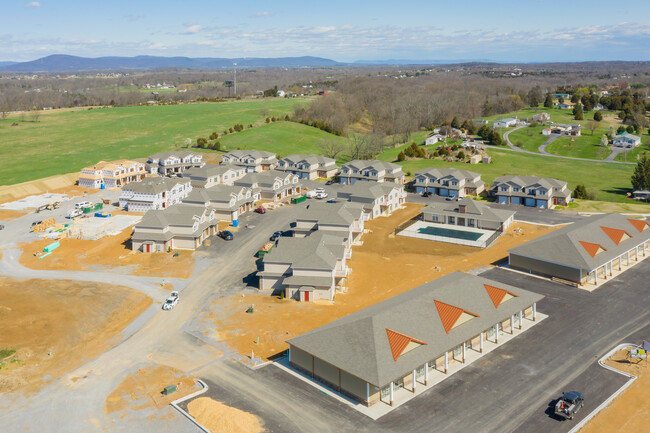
(508, 390)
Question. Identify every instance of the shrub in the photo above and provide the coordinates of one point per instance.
(461, 155)
(401, 156)
(580, 192)
(598, 116)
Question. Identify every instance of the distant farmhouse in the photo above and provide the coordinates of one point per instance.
(532, 191)
(448, 182)
(541, 117)
(626, 140)
(566, 105)
(586, 252)
(506, 123)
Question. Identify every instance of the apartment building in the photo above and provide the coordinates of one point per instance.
(111, 174)
(154, 193)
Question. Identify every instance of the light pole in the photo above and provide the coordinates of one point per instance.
(235, 65)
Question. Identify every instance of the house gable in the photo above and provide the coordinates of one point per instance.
(640, 225)
(452, 316)
(497, 295)
(401, 344)
(592, 249)
(616, 235)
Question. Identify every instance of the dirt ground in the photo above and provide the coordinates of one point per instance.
(7, 214)
(630, 411)
(219, 418)
(384, 266)
(108, 253)
(54, 325)
(143, 389)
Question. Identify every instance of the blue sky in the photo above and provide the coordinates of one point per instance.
(504, 30)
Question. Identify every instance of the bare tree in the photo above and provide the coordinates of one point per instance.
(331, 147)
(592, 125)
(357, 145)
(34, 115)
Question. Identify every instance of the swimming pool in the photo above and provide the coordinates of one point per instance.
(450, 233)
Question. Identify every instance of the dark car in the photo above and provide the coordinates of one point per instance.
(569, 404)
(329, 182)
(2, 227)
(35, 223)
(426, 194)
(261, 210)
(276, 236)
(225, 234)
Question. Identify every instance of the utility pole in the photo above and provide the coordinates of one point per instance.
(235, 64)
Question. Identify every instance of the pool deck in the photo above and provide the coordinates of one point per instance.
(413, 231)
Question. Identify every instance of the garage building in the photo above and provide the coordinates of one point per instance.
(392, 346)
(586, 252)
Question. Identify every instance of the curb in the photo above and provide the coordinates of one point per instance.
(606, 403)
(187, 397)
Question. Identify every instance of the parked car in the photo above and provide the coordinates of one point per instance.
(35, 223)
(450, 198)
(276, 236)
(171, 301)
(226, 235)
(261, 210)
(321, 195)
(332, 200)
(569, 404)
(82, 205)
(329, 182)
(74, 213)
(310, 194)
(2, 227)
(319, 190)
(426, 194)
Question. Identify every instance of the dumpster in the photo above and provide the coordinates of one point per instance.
(169, 389)
(296, 200)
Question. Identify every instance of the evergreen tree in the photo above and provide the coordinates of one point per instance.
(641, 176)
(580, 192)
(455, 123)
(548, 102)
(401, 156)
(598, 116)
(630, 129)
(578, 113)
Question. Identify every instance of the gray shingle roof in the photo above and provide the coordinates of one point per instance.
(358, 343)
(366, 190)
(338, 213)
(473, 209)
(208, 170)
(154, 185)
(317, 160)
(524, 181)
(563, 245)
(318, 251)
(178, 153)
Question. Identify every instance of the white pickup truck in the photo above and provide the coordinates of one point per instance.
(74, 213)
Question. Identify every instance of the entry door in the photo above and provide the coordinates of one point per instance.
(306, 296)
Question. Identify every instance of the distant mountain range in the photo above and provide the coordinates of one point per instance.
(395, 62)
(66, 63)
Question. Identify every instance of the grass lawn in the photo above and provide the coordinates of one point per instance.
(609, 182)
(629, 206)
(561, 116)
(531, 138)
(67, 140)
(283, 138)
(585, 146)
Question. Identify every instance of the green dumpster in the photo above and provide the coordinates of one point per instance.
(169, 389)
(300, 199)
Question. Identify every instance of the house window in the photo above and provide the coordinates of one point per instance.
(434, 218)
(515, 189)
(451, 220)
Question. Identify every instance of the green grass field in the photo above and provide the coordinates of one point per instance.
(609, 182)
(283, 138)
(632, 154)
(585, 146)
(66, 141)
(531, 138)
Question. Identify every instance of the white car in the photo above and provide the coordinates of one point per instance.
(321, 195)
(74, 213)
(311, 194)
(171, 301)
(82, 204)
(319, 190)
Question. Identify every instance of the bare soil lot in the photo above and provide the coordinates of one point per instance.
(7, 214)
(217, 417)
(54, 325)
(108, 253)
(384, 266)
(631, 410)
(143, 389)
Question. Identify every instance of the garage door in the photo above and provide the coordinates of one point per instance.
(502, 199)
(453, 192)
(444, 192)
(541, 204)
(515, 200)
(419, 189)
(530, 202)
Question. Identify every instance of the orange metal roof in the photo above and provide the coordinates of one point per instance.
(592, 249)
(640, 225)
(449, 314)
(398, 342)
(497, 294)
(615, 234)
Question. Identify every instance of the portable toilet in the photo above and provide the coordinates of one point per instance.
(103, 186)
(235, 223)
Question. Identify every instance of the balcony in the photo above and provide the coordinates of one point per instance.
(342, 273)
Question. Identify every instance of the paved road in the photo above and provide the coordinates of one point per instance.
(550, 155)
(524, 213)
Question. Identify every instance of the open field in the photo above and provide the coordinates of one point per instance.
(384, 266)
(631, 410)
(609, 182)
(586, 146)
(531, 138)
(610, 118)
(630, 206)
(66, 141)
(56, 325)
(108, 253)
(283, 138)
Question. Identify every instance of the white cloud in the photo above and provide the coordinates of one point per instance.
(191, 28)
(33, 5)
